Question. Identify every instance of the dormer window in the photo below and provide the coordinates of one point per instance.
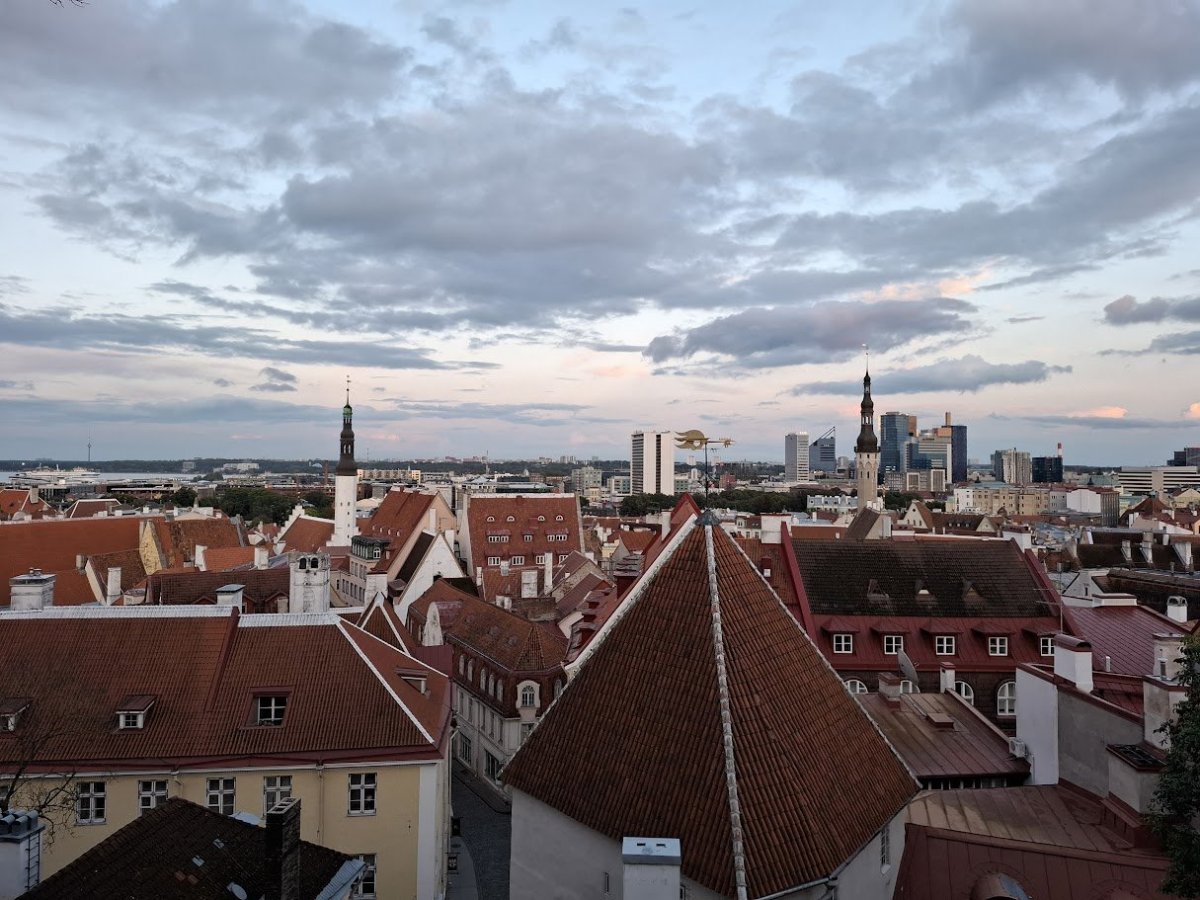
(558, 518)
(414, 680)
(511, 519)
(269, 709)
(131, 713)
(11, 710)
(491, 518)
(541, 518)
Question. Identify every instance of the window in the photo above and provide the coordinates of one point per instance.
(1046, 644)
(518, 560)
(965, 691)
(893, 644)
(90, 800)
(495, 539)
(558, 518)
(492, 766)
(945, 645)
(526, 730)
(131, 720)
(362, 794)
(843, 643)
(491, 518)
(1006, 699)
(997, 646)
(276, 788)
(493, 560)
(269, 709)
(511, 519)
(151, 794)
(854, 686)
(540, 559)
(907, 687)
(220, 795)
(562, 557)
(541, 518)
(364, 886)
(528, 696)
(529, 538)
(885, 848)
(462, 664)
(465, 751)
(499, 690)
(558, 688)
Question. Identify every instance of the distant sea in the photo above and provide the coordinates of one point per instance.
(121, 476)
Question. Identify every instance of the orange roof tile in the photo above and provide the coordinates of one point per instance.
(16, 500)
(537, 516)
(510, 641)
(222, 559)
(54, 546)
(700, 657)
(307, 535)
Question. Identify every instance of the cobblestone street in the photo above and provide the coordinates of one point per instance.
(486, 830)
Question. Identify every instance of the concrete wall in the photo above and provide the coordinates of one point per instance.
(865, 876)
(411, 863)
(1037, 725)
(1084, 730)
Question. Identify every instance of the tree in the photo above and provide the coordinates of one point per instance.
(321, 502)
(185, 496)
(1176, 808)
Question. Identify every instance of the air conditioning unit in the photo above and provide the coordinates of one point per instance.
(1017, 748)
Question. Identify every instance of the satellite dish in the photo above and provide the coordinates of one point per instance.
(909, 670)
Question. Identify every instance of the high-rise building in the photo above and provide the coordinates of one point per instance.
(1012, 466)
(822, 453)
(652, 463)
(1188, 456)
(345, 483)
(894, 431)
(1047, 470)
(866, 450)
(795, 457)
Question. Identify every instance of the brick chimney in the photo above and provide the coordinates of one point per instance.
(282, 855)
(650, 868)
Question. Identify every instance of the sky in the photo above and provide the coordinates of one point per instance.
(526, 229)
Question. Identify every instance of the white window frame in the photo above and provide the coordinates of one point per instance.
(1006, 700)
(91, 803)
(517, 561)
(964, 690)
(1046, 645)
(220, 795)
(893, 644)
(526, 730)
(528, 696)
(270, 710)
(492, 765)
(540, 559)
(276, 788)
(493, 560)
(466, 750)
(843, 643)
(945, 645)
(362, 793)
(364, 886)
(998, 645)
(855, 686)
(151, 794)
(907, 687)
(131, 721)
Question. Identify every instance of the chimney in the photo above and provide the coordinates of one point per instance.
(1160, 700)
(282, 855)
(113, 594)
(20, 853)
(549, 574)
(1177, 608)
(946, 678)
(1148, 548)
(889, 688)
(504, 567)
(32, 591)
(198, 557)
(1168, 650)
(529, 583)
(34, 497)
(1183, 549)
(650, 868)
(230, 595)
(1127, 551)
(479, 574)
(262, 553)
(664, 516)
(1073, 661)
(764, 566)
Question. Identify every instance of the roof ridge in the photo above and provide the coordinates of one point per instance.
(718, 635)
(342, 626)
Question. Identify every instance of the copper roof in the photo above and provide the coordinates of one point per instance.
(344, 698)
(1123, 634)
(698, 649)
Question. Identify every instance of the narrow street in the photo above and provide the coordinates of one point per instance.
(486, 829)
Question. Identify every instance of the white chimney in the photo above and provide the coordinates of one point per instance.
(1183, 549)
(889, 687)
(1159, 702)
(262, 554)
(198, 557)
(504, 567)
(1177, 609)
(1168, 650)
(230, 595)
(32, 591)
(651, 868)
(113, 594)
(664, 517)
(1073, 661)
(20, 853)
(479, 574)
(549, 575)
(947, 678)
(529, 580)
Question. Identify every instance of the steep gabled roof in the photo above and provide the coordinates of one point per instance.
(307, 534)
(540, 516)
(222, 559)
(178, 588)
(16, 500)
(702, 711)
(511, 641)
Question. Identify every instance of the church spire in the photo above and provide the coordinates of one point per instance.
(346, 464)
(867, 442)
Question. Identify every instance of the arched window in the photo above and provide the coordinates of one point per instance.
(1006, 699)
(528, 696)
(499, 690)
(907, 687)
(965, 691)
(558, 518)
(491, 518)
(483, 677)
(470, 670)
(511, 519)
(541, 518)
(854, 686)
(303, 563)
(462, 665)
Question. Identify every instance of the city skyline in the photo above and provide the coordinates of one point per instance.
(526, 230)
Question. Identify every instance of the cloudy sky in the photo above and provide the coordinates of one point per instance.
(527, 228)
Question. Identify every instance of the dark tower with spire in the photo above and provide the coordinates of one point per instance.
(345, 482)
(866, 450)
(346, 464)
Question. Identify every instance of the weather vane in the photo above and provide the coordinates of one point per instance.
(695, 439)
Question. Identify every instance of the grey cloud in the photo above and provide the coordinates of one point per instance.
(222, 382)
(1018, 320)
(273, 387)
(606, 347)
(968, 373)
(13, 284)
(1102, 423)
(1127, 310)
(277, 374)
(824, 332)
(10, 385)
(539, 414)
(218, 409)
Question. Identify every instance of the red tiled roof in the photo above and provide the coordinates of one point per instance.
(222, 559)
(142, 860)
(52, 545)
(15, 500)
(1049, 840)
(307, 535)
(133, 570)
(635, 744)
(969, 747)
(178, 537)
(380, 620)
(495, 584)
(1125, 634)
(525, 510)
(512, 642)
(261, 587)
(637, 541)
(399, 515)
(205, 671)
(446, 594)
(85, 509)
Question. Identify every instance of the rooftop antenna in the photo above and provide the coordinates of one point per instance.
(867, 355)
(347, 390)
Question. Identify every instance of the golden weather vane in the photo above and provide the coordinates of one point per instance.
(695, 439)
